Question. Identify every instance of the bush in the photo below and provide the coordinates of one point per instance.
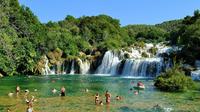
(174, 80)
(153, 50)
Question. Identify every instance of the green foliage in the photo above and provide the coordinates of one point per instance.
(174, 80)
(170, 26)
(140, 44)
(147, 33)
(188, 35)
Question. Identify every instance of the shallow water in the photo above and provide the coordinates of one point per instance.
(77, 100)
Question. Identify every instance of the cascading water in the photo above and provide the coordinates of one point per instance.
(134, 61)
(72, 68)
(46, 69)
(53, 70)
(84, 66)
(149, 67)
(109, 64)
(136, 65)
(196, 74)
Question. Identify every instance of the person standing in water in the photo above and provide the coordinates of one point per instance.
(17, 90)
(108, 97)
(62, 91)
(96, 99)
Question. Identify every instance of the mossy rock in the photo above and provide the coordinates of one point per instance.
(127, 55)
(144, 54)
(56, 54)
(153, 50)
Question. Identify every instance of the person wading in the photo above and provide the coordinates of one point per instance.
(108, 97)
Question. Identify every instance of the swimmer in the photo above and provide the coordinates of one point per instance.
(26, 92)
(86, 90)
(10, 94)
(136, 92)
(17, 90)
(30, 102)
(62, 91)
(118, 98)
(53, 90)
(96, 99)
(108, 97)
(35, 90)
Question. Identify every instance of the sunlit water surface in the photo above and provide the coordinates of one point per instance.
(77, 100)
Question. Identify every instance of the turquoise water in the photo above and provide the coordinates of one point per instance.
(77, 99)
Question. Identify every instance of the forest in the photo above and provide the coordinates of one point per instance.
(24, 39)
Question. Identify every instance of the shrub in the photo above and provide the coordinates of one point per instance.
(145, 55)
(174, 80)
(153, 50)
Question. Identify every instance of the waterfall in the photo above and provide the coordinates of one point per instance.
(84, 66)
(196, 74)
(149, 67)
(136, 65)
(63, 69)
(72, 68)
(135, 61)
(109, 64)
(53, 70)
(46, 70)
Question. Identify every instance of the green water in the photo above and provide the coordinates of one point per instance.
(77, 100)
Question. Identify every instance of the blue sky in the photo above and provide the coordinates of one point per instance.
(127, 11)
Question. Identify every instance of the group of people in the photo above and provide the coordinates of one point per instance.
(62, 91)
(30, 101)
(108, 98)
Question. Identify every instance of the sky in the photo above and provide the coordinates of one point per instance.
(127, 11)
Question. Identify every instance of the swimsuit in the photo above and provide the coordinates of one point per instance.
(62, 93)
